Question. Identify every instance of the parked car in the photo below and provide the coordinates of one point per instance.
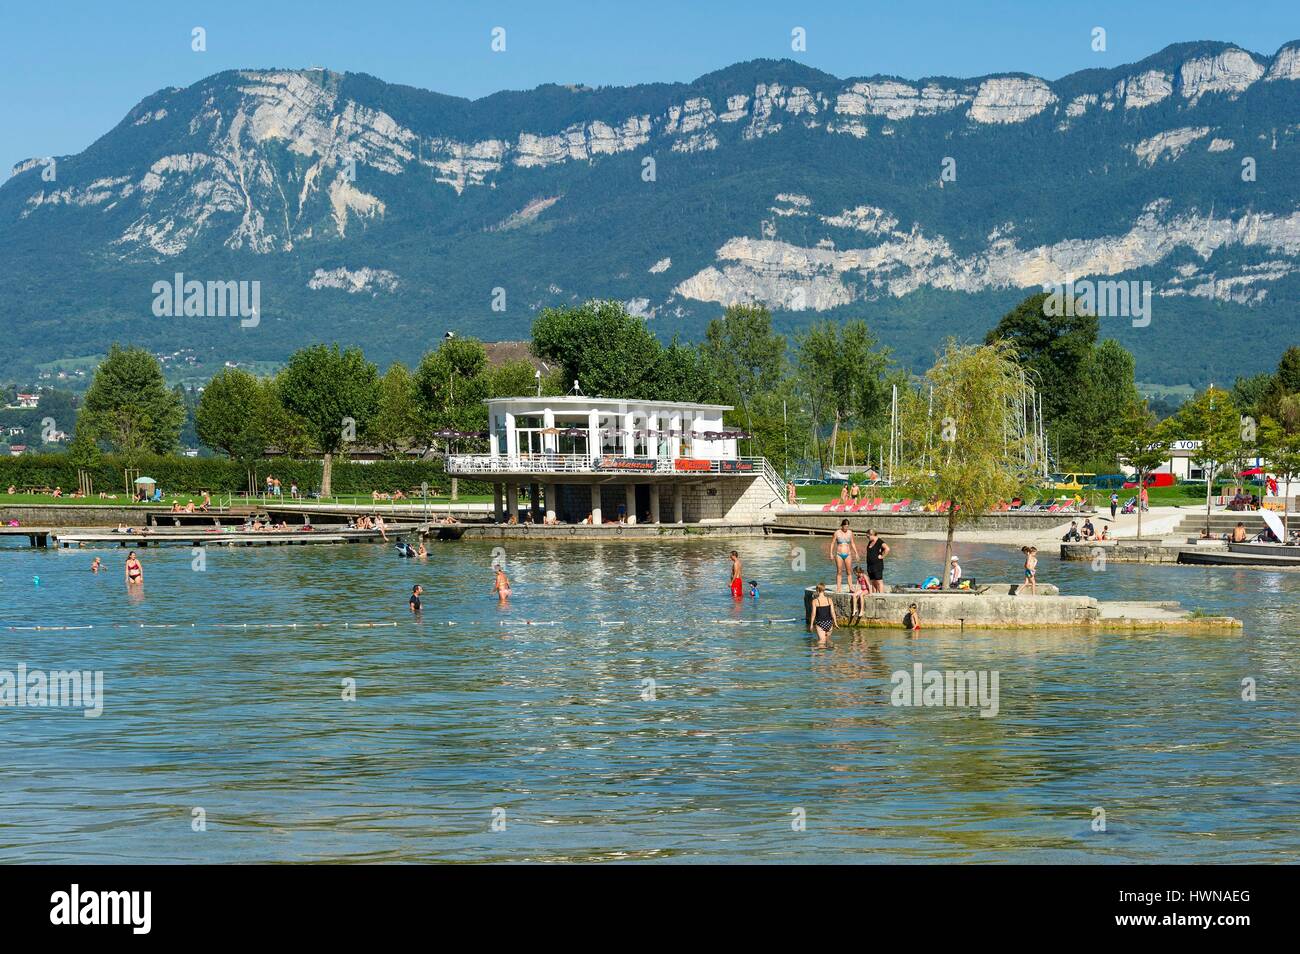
(1152, 480)
(1073, 480)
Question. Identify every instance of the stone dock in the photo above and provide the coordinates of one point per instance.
(1000, 606)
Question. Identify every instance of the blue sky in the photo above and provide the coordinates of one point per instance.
(69, 71)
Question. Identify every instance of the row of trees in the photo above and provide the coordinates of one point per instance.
(824, 389)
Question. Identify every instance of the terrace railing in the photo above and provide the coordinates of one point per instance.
(470, 464)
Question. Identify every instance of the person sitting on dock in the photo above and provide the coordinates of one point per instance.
(954, 574)
(858, 590)
(1105, 533)
(1088, 531)
(1239, 533)
(1072, 535)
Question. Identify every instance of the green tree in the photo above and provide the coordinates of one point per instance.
(1288, 370)
(1252, 394)
(451, 385)
(957, 446)
(334, 393)
(520, 378)
(232, 414)
(681, 374)
(743, 354)
(129, 405)
(1142, 443)
(1281, 448)
(1107, 394)
(599, 344)
(845, 374)
(396, 423)
(1213, 419)
(1057, 348)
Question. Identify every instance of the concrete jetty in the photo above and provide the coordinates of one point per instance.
(1002, 606)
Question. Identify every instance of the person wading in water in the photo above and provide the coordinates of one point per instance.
(821, 615)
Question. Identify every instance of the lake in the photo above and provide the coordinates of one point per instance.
(649, 718)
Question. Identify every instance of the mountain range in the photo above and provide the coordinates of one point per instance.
(385, 215)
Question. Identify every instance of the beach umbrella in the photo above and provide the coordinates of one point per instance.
(1274, 523)
(1253, 472)
(146, 480)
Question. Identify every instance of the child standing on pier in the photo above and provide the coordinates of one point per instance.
(1031, 569)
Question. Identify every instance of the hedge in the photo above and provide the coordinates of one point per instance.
(177, 474)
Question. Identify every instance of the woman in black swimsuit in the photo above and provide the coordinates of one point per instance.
(877, 550)
(821, 616)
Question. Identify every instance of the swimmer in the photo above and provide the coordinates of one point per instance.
(821, 615)
(753, 589)
(96, 566)
(912, 619)
(502, 585)
(134, 571)
(414, 601)
(737, 580)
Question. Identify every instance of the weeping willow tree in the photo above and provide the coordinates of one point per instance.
(964, 435)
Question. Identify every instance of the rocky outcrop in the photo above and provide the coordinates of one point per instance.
(1010, 99)
(1229, 72)
(1286, 64)
(1173, 142)
(354, 281)
(1145, 89)
(774, 272)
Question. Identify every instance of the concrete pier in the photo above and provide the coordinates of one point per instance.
(1001, 606)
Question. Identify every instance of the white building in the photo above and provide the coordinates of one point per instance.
(619, 461)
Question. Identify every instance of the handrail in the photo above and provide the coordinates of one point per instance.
(609, 464)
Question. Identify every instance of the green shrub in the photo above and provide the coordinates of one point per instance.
(220, 475)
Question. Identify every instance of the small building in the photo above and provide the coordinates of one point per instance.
(28, 400)
(619, 461)
(17, 450)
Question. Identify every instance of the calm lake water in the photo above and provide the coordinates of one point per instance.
(749, 725)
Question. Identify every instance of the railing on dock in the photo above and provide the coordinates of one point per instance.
(611, 464)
